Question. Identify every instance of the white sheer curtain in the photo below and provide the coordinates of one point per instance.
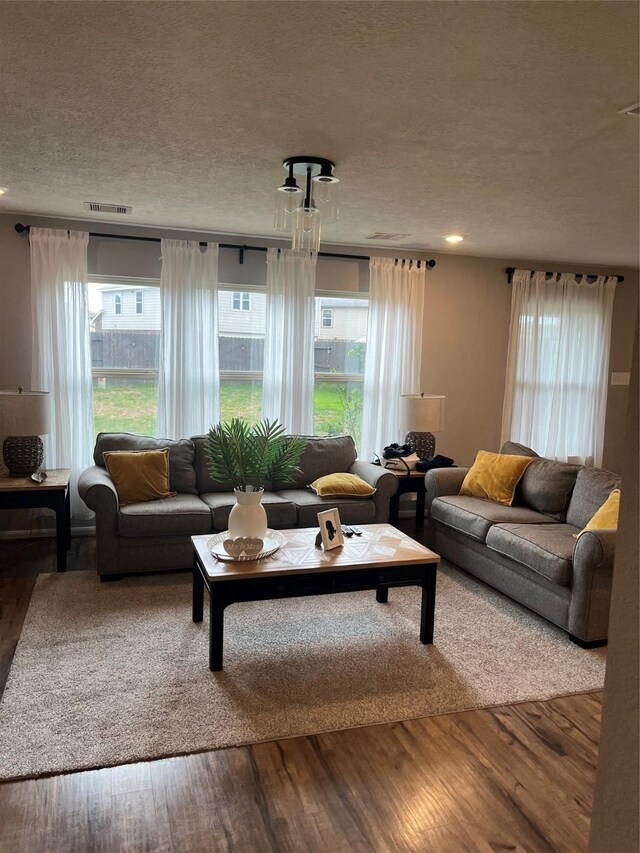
(288, 383)
(558, 365)
(394, 348)
(189, 376)
(62, 350)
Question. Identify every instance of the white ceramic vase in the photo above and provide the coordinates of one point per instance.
(248, 517)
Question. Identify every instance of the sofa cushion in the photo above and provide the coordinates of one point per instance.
(494, 476)
(139, 475)
(280, 512)
(605, 518)
(322, 456)
(546, 486)
(545, 548)
(182, 475)
(182, 515)
(342, 486)
(593, 486)
(352, 510)
(514, 448)
(204, 481)
(474, 516)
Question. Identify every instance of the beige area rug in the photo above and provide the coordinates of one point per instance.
(111, 673)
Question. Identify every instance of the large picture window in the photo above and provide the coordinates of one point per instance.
(125, 350)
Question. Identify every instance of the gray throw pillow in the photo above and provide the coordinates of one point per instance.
(546, 486)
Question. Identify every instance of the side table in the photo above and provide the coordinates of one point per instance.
(412, 481)
(53, 493)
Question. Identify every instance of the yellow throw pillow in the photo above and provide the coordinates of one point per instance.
(605, 518)
(494, 476)
(139, 475)
(341, 486)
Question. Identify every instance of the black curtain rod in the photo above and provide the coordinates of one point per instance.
(24, 229)
(511, 270)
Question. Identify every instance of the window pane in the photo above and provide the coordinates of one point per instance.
(125, 405)
(340, 349)
(241, 349)
(338, 408)
(125, 346)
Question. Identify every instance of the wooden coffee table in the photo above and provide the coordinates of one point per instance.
(382, 557)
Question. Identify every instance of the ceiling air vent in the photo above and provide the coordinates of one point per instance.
(386, 235)
(633, 110)
(101, 207)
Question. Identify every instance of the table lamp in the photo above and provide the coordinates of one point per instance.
(420, 416)
(24, 417)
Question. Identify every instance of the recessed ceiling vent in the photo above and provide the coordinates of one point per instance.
(101, 207)
(633, 110)
(386, 235)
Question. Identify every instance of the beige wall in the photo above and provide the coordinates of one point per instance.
(615, 823)
(466, 321)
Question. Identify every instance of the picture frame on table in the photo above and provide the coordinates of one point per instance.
(330, 529)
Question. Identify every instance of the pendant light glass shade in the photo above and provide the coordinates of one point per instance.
(301, 210)
(325, 194)
(288, 198)
(305, 224)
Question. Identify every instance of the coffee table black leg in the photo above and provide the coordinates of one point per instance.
(427, 610)
(382, 594)
(394, 509)
(216, 632)
(198, 593)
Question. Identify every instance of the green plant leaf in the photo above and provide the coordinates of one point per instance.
(249, 456)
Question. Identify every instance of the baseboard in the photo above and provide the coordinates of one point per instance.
(45, 534)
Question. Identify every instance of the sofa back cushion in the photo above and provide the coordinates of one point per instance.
(182, 475)
(593, 487)
(546, 486)
(205, 483)
(322, 456)
(514, 448)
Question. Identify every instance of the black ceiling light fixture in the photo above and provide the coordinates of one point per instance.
(302, 210)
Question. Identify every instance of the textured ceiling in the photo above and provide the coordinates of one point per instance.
(495, 120)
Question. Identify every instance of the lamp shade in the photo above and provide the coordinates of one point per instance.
(24, 413)
(421, 413)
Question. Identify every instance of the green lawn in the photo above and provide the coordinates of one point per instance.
(130, 406)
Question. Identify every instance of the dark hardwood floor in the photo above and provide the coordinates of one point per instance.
(514, 778)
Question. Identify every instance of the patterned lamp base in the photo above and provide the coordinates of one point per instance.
(23, 454)
(422, 443)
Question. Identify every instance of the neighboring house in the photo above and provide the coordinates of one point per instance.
(242, 314)
(126, 332)
(130, 308)
(341, 319)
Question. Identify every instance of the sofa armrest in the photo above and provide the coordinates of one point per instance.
(442, 481)
(593, 558)
(385, 484)
(97, 490)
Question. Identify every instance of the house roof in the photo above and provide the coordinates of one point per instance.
(498, 120)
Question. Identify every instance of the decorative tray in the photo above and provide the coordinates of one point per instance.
(271, 542)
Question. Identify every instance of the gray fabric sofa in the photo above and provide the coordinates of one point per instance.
(528, 550)
(154, 536)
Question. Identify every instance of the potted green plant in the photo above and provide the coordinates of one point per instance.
(247, 456)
